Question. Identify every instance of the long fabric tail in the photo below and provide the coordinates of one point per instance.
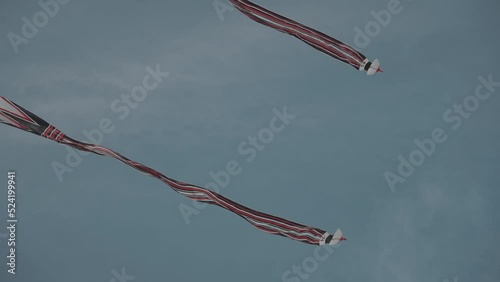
(312, 37)
(16, 116)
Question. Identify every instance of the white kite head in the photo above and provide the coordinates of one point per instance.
(337, 237)
(374, 68)
(332, 239)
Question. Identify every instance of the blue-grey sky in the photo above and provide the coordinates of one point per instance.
(326, 169)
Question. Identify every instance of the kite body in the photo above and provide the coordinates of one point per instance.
(312, 37)
(16, 116)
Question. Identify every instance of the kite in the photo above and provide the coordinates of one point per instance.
(312, 37)
(16, 116)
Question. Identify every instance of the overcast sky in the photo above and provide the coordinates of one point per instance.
(227, 74)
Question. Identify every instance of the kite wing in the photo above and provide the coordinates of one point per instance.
(312, 37)
(16, 116)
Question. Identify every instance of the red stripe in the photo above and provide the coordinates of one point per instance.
(47, 131)
(54, 133)
(60, 137)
